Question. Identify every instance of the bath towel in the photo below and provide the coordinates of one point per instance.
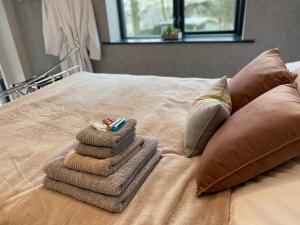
(104, 152)
(103, 167)
(114, 184)
(109, 203)
(92, 136)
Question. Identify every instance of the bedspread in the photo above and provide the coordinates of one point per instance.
(39, 125)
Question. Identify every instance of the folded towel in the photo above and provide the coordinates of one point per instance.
(104, 152)
(103, 167)
(109, 203)
(92, 136)
(114, 184)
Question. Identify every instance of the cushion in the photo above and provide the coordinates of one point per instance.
(261, 75)
(297, 80)
(295, 68)
(206, 115)
(257, 138)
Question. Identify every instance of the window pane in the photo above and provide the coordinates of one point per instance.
(145, 17)
(209, 15)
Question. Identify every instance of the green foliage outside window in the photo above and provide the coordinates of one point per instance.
(149, 17)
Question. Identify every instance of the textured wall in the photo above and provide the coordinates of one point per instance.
(270, 23)
(14, 62)
(29, 15)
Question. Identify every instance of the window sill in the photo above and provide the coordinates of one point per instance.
(185, 40)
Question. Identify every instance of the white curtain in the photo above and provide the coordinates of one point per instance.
(64, 22)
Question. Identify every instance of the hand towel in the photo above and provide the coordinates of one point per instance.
(106, 202)
(114, 184)
(103, 167)
(92, 136)
(104, 152)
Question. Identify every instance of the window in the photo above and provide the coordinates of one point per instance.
(147, 18)
(144, 18)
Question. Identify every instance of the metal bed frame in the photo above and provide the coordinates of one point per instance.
(37, 81)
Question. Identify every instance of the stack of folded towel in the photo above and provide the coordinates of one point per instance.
(104, 168)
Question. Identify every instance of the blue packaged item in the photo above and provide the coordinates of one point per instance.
(118, 124)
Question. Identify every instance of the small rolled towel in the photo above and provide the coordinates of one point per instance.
(114, 184)
(106, 202)
(91, 136)
(103, 167)
(104, 152)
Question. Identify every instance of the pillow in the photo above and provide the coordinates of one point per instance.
(297, 80)
(206, 115)
(259, 76)
(295, 68)
(257, 138)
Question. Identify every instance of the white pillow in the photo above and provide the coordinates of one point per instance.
(295, 68)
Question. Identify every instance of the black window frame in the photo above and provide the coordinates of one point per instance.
(178, 14)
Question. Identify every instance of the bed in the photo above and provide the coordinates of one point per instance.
(37, 126)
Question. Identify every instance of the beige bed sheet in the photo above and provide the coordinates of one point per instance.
(270, 199)
(37, 126)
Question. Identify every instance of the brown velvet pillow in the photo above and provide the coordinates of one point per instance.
(257, 138)
(261, 75)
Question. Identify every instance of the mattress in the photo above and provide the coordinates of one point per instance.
(35, 127)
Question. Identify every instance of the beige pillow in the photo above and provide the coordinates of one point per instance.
(206, 115)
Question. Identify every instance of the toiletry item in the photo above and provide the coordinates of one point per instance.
(118, 125)
(107, 121)
(99, 126)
